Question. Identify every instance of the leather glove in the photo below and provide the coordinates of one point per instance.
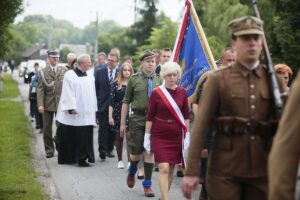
(147, 144)
(186, 142)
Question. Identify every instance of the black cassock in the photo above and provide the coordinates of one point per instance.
(75, 143)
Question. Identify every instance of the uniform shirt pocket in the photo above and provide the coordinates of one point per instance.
(139, 89)
(264, 104)
(237, 94)
(237, 102)
(265, 95)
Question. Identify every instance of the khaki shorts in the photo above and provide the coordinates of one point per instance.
(137, 125)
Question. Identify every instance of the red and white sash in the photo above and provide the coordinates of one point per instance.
(174, 110)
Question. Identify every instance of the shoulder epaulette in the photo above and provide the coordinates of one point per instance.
(136, 74)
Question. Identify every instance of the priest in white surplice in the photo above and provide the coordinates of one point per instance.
(76, 115)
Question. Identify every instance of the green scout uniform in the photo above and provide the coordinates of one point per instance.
(136, 96)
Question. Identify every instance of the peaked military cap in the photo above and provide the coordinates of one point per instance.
(247, 25)
(53, 53)
(147, 54)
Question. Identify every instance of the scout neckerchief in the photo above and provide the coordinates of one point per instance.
(174, 110)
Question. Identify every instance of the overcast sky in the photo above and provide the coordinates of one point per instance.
(82, 12)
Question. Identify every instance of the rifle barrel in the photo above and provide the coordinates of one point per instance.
(273, 79)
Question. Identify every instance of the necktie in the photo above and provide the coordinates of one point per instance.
(53, 69)
(149, 86)
(110, 75)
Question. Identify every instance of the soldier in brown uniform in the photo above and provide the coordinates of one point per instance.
(238, 99)
(48, 94)
(285, 153)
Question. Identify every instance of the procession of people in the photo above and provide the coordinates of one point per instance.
(225, 147)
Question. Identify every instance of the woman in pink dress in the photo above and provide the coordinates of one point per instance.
(164, 132)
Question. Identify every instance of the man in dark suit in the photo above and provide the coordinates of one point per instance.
(103, 78)
(101, 60)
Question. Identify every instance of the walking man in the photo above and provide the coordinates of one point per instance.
(103, 78)
(137, 93)
(238, 98)
(48, 94)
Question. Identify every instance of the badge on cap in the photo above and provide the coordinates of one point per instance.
(53, 53)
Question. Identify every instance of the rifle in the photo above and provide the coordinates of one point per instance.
(274, 84)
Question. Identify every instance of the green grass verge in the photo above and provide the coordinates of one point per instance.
(10, 89)
(17, 175)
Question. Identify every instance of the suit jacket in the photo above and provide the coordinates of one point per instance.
(158, 69)
(233, 92)
(285, 153)
(103, 86)
(48, 94)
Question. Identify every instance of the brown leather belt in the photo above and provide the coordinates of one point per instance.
(169, 121)
(232, 125)
(139, 112)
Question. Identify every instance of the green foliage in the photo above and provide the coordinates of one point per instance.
(10, 90)
(18, 178)
(162, 37)
(281, 25)
(200, 7)
(29, 31)
(141, 30)
(9, 10)
(59, 31)
(24, 36)
(218, 14)
(63, 54)
(287, 32)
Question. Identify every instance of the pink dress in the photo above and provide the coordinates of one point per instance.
(166, 132)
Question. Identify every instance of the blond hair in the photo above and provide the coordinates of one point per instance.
(170, 67)
(120, 77)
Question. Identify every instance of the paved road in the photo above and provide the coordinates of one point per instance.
(101, 181)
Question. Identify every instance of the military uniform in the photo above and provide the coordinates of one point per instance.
(285, 153)
(48, 94)
(240, 103)
(136, 96)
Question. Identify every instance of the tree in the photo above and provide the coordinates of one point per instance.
(287, 33)
(162, 37)
(24, 35)
(29, 31)
(58, 31)
(9, 10)
(63, 54)
(141, 30)
(217, 15)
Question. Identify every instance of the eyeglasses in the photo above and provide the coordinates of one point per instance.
(112, 61)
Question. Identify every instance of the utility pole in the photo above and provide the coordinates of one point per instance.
(49, 32)
(135, 11)
(96, 39)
